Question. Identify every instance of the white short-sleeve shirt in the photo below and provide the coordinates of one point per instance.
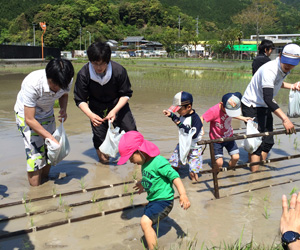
(269, 75)
(35, 92)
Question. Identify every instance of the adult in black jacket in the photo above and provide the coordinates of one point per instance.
(102, 91)
(264, 51)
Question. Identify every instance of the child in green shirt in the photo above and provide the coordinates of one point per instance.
(158, 178)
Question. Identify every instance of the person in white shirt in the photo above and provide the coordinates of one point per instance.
(258, 99)
(35, 115)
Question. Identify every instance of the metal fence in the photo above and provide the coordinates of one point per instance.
(19, 52)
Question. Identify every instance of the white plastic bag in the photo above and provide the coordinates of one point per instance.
(111, 142)
(185, 142)
(252, 144)
(56, 153)
(294, 104)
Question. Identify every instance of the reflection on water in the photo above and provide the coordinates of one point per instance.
(151, 85)
(154, 89)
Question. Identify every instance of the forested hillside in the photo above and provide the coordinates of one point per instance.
(171, 22)
(215, 11)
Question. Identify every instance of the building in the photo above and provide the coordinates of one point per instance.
(279, 40)
(139, 43)
(134, 42)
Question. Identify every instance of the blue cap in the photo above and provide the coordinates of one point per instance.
(232, 104)
(181, 99)
(290, 54)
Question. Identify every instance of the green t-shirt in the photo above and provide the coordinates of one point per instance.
(157, 179)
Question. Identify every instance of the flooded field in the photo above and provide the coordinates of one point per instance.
(240, 211)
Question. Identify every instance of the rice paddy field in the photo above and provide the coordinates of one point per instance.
(245, 217)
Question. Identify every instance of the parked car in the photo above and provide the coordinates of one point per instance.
(161, 53)
(138, 53)
(146, 53)
(124, 54)
(113, 54)
(132, 53)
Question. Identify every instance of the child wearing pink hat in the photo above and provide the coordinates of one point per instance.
(158, 178)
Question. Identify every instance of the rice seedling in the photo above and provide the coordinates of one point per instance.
(131, 199)
(67, 210)
(82, 184)
(250, 200)
(61, 201)
(32, 226)
(266, 198)
(266, 212)
(134, 175)
(27, 207)
(105, 112)
(24, 198)
(125, 189)
(94, 197)
(31, 222)
(294, 190)
(54, 193)
(295, 145)
(100, 206)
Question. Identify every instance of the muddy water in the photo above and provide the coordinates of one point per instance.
(254, 213)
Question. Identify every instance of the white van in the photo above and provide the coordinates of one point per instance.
(138, 53)
(161, 53)
(122, 54)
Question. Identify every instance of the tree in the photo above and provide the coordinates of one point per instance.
(259, 15)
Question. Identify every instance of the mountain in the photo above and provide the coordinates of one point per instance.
(217, 11)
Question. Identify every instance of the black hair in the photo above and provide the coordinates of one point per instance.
(99, 51)
(265, 44)
(60, 71)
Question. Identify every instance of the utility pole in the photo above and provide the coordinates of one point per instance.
(43, 26)
(89, 37)
(197, 30)
(33, 24)
(179, 27)
(80, 36)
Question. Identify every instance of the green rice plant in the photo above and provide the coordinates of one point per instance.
(266, 198)
(67, 210)
(61, 201)
(100, 206)
(105, 113)
(294, 190)
(250, 200)
(134, 175)
(193, 243)
(82, 184)
(125, 187)
(31, 222)
(54, 193)
(278, 141)
(94, 197)
(131, 198)
(266, 212)
(27, 207)
(295, 145)
(24, 198)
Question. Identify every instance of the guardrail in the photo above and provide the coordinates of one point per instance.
(215, 170)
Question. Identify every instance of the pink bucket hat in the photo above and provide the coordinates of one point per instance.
(133, 141)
